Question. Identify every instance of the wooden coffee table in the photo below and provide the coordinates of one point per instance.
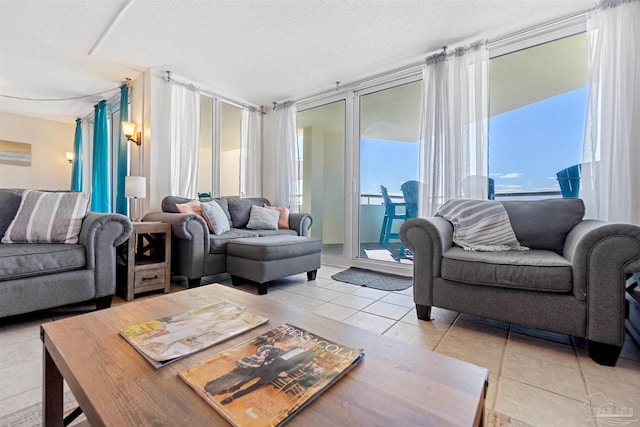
(395, 384)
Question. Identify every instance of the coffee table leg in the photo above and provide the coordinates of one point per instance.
(52, 398)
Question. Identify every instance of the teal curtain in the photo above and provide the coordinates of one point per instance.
(76, 171)
(122, 205)
(101, 176)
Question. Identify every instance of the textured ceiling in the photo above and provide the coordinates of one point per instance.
(251, 51)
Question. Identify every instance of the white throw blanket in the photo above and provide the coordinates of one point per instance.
(480, 225)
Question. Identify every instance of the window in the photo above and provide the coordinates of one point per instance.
(538, 102)
(219, 151)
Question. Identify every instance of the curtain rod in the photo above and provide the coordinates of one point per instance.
(238, 104)
(418, 66)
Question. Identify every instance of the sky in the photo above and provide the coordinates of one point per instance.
(527, 146)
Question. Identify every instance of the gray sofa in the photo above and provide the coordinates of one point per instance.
(36, 276)
(572, 281)
(195, 252)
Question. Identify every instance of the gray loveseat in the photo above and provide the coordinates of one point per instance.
(36, 276)
(572, 281)
(195, 252)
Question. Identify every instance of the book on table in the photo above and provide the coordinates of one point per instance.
(165, 340)
(269, 378)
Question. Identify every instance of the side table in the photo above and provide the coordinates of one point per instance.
(632, 321)
(144, 260)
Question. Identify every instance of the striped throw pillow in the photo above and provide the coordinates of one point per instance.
(48, 217)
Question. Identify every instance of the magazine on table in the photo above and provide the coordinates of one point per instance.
(269, 378)
(165, 340)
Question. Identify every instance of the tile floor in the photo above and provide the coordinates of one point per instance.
(536, 378)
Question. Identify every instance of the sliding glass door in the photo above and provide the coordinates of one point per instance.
(321, 144)
(389, 144)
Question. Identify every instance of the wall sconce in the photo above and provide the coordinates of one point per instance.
(69, 155)
(129, 130)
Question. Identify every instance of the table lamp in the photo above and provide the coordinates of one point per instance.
(135, 187)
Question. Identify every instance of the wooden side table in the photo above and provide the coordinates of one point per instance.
(144, 260)
(632, 321)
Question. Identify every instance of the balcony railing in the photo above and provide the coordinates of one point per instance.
(376, 199)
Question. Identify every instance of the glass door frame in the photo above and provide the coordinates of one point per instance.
(356, 260)
(347, 98)
(351, 98)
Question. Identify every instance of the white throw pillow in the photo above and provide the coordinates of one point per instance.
(215, 217)
(263, 219)
(48, 217)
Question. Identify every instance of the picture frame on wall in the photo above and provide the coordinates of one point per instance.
(15, 153)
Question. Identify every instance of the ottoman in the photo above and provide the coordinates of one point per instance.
(263, 259)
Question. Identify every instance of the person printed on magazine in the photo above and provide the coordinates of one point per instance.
(280, 367)
(245, 369)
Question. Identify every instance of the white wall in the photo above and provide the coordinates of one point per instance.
(49, 141)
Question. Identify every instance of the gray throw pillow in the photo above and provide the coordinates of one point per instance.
(48, 217)
(263, 219)
(215, 217)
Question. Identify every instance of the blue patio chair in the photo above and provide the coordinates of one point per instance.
(569, 180)
(492, 189)
(411, 193)
(389, 215)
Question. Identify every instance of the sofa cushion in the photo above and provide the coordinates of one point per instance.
(9, 204)
(191, 207)
(48, 217)
(278, 232)
(22, 260)
(263, 219)
(218, 242)
(544, 224)
(539, 270)
(284, 211)
(240, 209)
(169, 204)
(215, 217)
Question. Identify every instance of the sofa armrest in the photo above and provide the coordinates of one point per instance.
(183, 226)
(189, 242)
(602, 255)
(427, 238)
(100, 234)
(301, 222)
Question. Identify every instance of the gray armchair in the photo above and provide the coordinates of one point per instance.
(571, 281)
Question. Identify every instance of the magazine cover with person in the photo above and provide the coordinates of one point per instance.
(266, 380)
(170, 338)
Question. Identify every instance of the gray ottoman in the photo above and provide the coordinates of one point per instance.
(263, 259)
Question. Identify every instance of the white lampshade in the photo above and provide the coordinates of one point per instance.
(135, 186)
(128, 128)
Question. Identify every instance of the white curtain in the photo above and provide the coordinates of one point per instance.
(288, 192)
(250, 154)
(184, 138)
(454, 148)
(610, 184)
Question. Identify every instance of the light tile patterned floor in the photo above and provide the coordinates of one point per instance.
(536, 377)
